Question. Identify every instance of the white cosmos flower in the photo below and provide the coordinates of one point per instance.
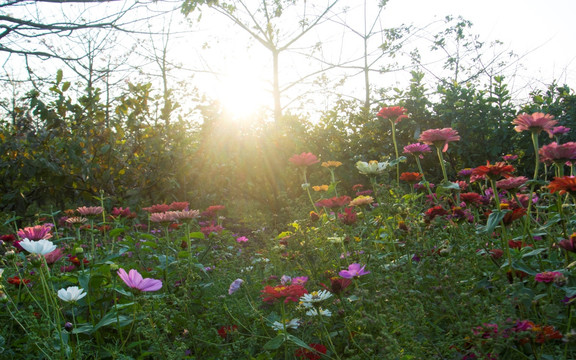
(41, 247)
(319, 312)
(72, 293)
(292, 324)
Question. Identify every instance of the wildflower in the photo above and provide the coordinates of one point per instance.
(134, 280)
(314, 216)
(319, 312)
(179, 206)
(411, 177)
(354, 271)
(162, 217)
(158, 208)
(304, 159)
(53, 256)
(320, 188)
(8, 238)
(76, 220)
(41, 247)
(121, 212)
(286, 324)
(331, 164)
(235, 286)
(334, 202)
(349, 217)
(569, 244)
(396, 113)
(337, 285)
(559, 154)
(512, 183)
(495, 171)
(314, 297)
(548, 276)
(560, 130)
(90, 210)
(287, 293)
(207, 230)
(242, 239)
(435, 211)
(565, 184)
(372, 167)
(225, 331)
(37, 232)
(300, 280)
(361, 200)
(439, 137)
(509, 157)
(285, 279)
(516, 213)
(16, 280)
(417, 149)
(71, 294)
(535, 123)
(465, 172)
(315, 354)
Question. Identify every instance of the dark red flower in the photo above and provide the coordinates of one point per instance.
(396, 113)
(8, 238)
(434, 212)
(568, 244)
(349, 217)
(315, 354)
(337, 285)
(17, 281)
(225, 331)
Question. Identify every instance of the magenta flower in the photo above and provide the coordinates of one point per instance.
(535, 123)
(558, 153)
(134, 280)
(35, 233)
(242, 239)
(417, 149)
(300, 280)
(560, 130)
(439, 137)
(548, 276)
(354, 270)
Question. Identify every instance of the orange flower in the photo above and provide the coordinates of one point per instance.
(565, 184)
(495, 171)
(331, 164)
(411, 177)
(320, 188)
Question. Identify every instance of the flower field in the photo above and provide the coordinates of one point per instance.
(479, 265)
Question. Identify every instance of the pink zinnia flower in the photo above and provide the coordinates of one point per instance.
(242, 239)
(121, 212)
(157, 208)
(396, 113)
(536, 123)
(90, 210)
(354, 270)
(547, 276)
(439, 137)
(512, 183)
(560, 130)
(164, 217)
(558, 153)
(35, 233)
(300, 280)
(304, 159)
(509, 157)
(417, 149)
(53, 256)
(134, 280)
(185, 214)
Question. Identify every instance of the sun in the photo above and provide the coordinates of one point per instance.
(242, 95)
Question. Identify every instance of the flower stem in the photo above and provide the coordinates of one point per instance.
(395, 151)
(441, 158)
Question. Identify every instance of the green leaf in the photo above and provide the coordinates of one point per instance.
(274, 343)
(59, 75)
(197, 235)
(116, 232)
(299, 342)
(493, 220)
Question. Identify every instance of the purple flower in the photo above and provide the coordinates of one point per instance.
(285, 279)
(235, 286)
(417, 149)
(242, 239)
(354, 270)
(134, 280)
(299, 280)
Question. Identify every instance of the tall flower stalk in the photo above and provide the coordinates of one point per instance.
(303, 161)
(394, 114)
(440, 139)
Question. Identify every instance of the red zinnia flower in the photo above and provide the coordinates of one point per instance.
(178, 206)
(439, 137)
(565, 184)
(495, 171)
(224, 331)
(16, 280)
(287, 293)
(536, 123)
(349, 217)
(471, 198)
(121, 212)
(568, 244)
(435, 211)
(395, 112)
(304, 353)
(158, 208)
(334, 202)
(411, 177)
(304, 159)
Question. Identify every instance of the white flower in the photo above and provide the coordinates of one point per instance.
(72, 293)
(41, 247)
(292, 324)
(319, 312)
(372, 168)
(314, 297)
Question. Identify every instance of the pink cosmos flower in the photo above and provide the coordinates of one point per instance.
(394, 112)
(536, 123)
(304, 159)
(439, 137)
(90, 210)
(134, 280)
(35, 233)
(354, 270)
(417, 149)
(558, 153)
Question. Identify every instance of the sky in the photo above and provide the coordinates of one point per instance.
(543, 37)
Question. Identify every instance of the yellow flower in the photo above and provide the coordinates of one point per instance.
(320, 188)
(331, 164)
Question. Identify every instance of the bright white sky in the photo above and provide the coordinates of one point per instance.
(543, 35)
